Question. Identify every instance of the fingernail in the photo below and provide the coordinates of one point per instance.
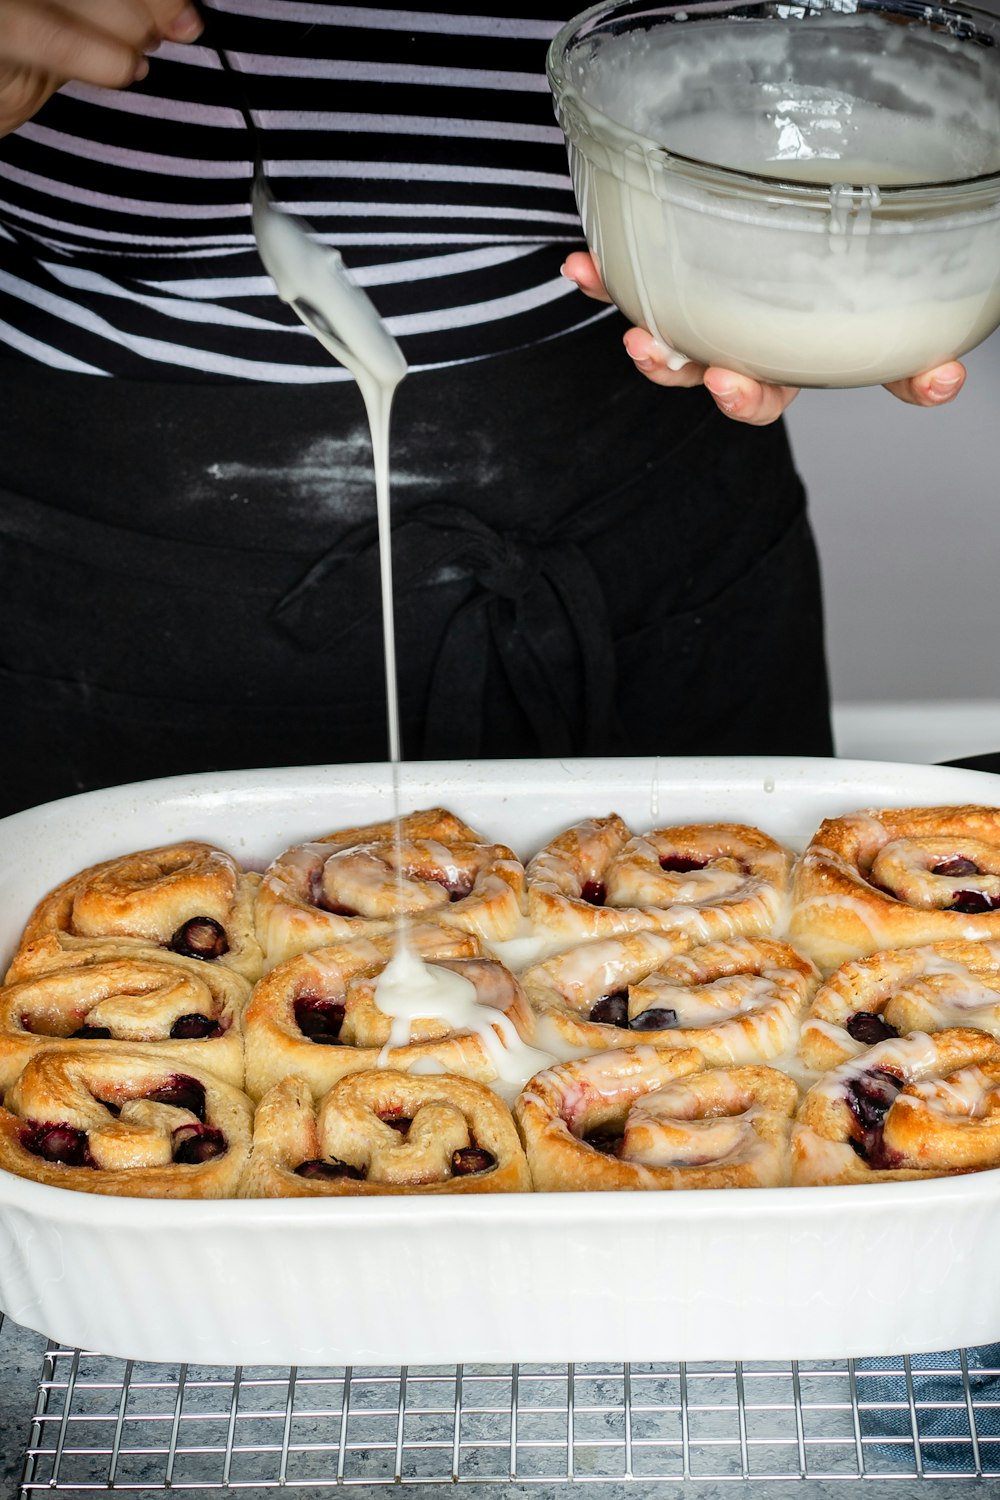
(641, 357)
(727, 396)
(943, 386)
(186, 26)
(563, 272)
(645, 365)
(141, 69)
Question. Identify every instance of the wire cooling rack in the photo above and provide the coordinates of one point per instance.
(102, 1423)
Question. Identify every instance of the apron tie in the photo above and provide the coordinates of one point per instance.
(536, 604)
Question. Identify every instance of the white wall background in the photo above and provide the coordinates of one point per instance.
(906, 509)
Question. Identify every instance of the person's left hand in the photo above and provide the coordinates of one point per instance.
(739, 396)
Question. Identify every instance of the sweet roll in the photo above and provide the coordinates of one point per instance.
(436, 1003)
(929, 988)
(189, 897)
(897, 878)
(384, 1132)
(112, 991)
(909, 1107)
(737, 1001)
(361, 881)
(700, 881)
(123, 1122)
(642, 1119)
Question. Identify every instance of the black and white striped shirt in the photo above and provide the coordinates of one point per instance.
(422, 144)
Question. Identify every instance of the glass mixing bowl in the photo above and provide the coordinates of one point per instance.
(808, 193)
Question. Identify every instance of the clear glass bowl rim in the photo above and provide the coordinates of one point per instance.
(898, 193)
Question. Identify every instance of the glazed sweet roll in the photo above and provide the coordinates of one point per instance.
(112, 991)
(384, 1133)
(896, 878)
(701, 881)
(364, 880)
(909, 1107)
(737, 1002)
(433, 1003)
(929, 988)
(189, 897)
(644, 1120)
(121, 1122)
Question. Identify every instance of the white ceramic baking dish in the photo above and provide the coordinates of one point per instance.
(811, 1273)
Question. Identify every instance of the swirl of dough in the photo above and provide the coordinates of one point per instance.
(929, 988)
(645, 1120)
(848, 1129)
(323, 1014)
(703, 881)
(897, 878)
(190, 897)
(122, 1122)
(384, 1133)
(737, 1002)
(112, 991)
(362, 881)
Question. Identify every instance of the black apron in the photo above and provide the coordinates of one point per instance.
(584, 564)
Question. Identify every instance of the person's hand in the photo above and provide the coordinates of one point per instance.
(738, 396)
(45, 43)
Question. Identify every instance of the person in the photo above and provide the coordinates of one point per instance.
(588, 560)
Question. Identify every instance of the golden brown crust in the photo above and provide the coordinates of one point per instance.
(450, 1135)
(122, 1123)
(890, 878)
(702, 882)
(142, 996)
(928, 988)
(360, 1035)
(736, 1002)
(153, 895)
(670, 1124)
(362, 881)
(868, 1120)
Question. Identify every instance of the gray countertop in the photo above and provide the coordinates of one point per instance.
(112, 1424)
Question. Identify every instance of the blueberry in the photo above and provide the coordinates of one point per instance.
(182, 1093)
(957, 865)
(200, 937)
(607, 1140)
(679, 864)
(973, 903)
(660, 1018)
(594, 892)
(868, 1028)
(870, 1096)
(470, 1159)
(89, 1033)
(332, 1170)
(58, 1143)
(193, 1027)
(611, 1010)
(196, 1146)
(319, 1020)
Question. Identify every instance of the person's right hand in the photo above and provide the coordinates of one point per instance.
(45, 43)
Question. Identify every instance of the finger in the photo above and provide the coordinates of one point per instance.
(654, 361)
(581, 268)
(140, 23)
(932, 388)
(747, 400)
(100, 42)
(56, 43)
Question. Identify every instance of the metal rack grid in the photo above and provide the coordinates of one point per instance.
(103, 1423)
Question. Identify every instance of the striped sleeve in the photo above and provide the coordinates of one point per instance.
(422, 144)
